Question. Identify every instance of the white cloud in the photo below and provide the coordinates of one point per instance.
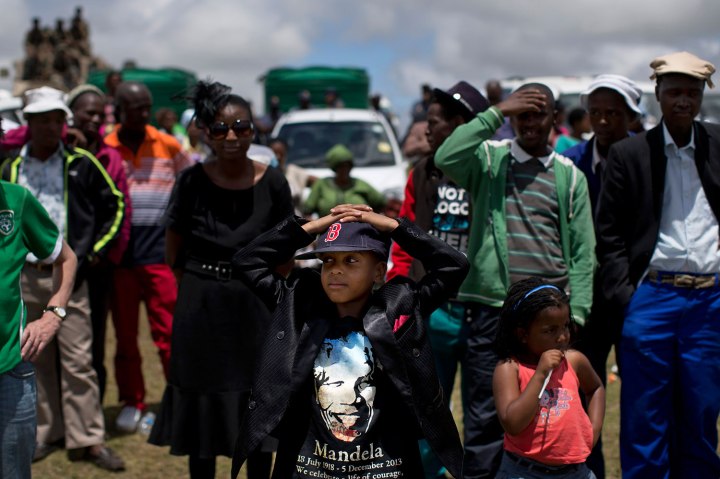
(428, 41)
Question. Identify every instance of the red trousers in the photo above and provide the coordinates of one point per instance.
(155, 285)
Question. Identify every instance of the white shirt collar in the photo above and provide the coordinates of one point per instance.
(521, 156)
(670, 143)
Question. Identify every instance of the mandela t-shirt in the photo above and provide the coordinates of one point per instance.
(358, 428)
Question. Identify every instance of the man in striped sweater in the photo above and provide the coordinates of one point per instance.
(531, 216)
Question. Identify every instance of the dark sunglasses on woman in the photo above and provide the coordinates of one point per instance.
(219, 130)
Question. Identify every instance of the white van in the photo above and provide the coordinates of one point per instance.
(376, 153)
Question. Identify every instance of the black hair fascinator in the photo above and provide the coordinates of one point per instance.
(206, 96)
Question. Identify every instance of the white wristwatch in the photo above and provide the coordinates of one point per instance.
(57, 311)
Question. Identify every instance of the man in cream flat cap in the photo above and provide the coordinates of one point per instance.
(658, 247)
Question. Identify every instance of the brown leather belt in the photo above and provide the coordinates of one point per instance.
(684, 280)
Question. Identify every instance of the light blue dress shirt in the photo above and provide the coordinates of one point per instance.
(688, 241)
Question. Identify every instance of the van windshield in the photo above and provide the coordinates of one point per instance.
(308, 142)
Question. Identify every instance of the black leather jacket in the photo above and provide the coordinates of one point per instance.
(301, 318)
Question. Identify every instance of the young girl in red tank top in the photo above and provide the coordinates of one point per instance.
(536, 386)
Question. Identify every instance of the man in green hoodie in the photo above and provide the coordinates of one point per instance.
(531, 216)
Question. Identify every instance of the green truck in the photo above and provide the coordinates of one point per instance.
(352, 85)
(169, 86)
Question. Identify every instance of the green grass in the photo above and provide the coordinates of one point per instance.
(145, 461)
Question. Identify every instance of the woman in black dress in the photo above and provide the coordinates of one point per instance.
(216, 208)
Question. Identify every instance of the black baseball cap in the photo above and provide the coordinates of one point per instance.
(351, 236)
(464, 95)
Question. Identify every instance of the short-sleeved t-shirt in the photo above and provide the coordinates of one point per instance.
(25, 227)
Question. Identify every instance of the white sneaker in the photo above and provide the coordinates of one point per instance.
(128, 419)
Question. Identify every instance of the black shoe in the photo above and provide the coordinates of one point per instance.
(43, 450)
(105, 458)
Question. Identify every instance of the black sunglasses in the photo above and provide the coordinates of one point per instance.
(219, 130)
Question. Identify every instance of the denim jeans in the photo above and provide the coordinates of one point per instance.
(510, 469)
(18, 421)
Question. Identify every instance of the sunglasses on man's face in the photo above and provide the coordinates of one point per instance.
(220, 129)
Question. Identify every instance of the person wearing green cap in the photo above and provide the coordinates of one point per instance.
(342, 188)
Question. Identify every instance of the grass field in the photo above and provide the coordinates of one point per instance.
(146, 462)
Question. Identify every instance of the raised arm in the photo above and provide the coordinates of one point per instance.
(461, 156)
(258, 260)
(445, 267)
(517, 409)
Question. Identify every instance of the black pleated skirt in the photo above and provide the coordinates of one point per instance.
(215, 332)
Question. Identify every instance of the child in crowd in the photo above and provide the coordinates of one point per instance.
(536, 387)
(345, 378)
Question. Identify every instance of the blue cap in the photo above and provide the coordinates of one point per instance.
(351, 236)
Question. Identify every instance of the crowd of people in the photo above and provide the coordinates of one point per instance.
(524, 251)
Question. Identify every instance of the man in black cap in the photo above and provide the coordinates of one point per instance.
(439, 206)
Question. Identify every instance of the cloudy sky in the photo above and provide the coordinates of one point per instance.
(402, 43)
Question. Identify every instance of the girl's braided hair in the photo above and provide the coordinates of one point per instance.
(525, 299)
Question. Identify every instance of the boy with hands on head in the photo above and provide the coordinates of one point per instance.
(345, 378)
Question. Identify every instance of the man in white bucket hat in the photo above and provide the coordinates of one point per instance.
(612, 104)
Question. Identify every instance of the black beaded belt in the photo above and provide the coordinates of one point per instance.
(220, 270)
(684, 280)
(39, 266)
(542, 468)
